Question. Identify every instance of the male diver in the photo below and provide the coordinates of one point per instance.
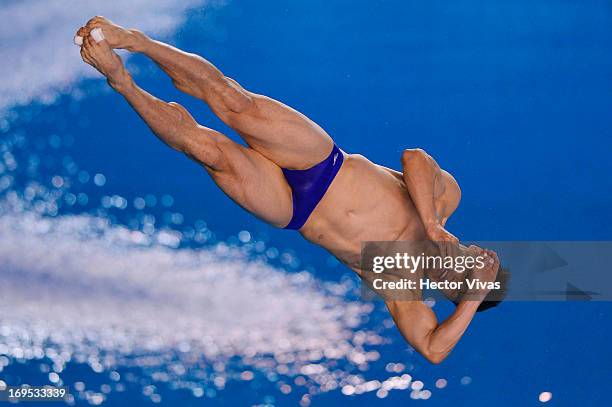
(292, 175)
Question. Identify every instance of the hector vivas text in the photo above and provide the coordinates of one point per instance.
(411, 264)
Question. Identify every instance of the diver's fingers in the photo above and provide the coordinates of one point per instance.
(490, 259)
(455, 247)
(445, 249)
(493, 256)
(483, 253)
(473, 250)
(441, 246)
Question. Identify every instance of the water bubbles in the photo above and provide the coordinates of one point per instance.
(348, 390)
(139, 203)
(99, 179)
(247, 375)
(69, 165)
(6, 182)
(244, 236)
(82, 198)
(4, 361)
(106, 202)
(465, 380)
(54, 378)
(441, 383)
(176, 218)
(395, 367)
(272, 253)
(425, 394)
(545, 397)
(417, 385)
(118, 202)
(95, 399)
(167, 200)
(57, 181)
(83, 177)
(382, 393)
(70, 199)
(150, 200)
(55, 141)
(9, 161)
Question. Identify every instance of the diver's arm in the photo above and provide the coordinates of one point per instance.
(424, 180)
(419, 326)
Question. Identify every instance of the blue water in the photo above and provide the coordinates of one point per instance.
(512, 98)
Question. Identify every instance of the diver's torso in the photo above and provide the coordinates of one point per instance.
(365, 202)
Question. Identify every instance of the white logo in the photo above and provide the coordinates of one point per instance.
(335, 158)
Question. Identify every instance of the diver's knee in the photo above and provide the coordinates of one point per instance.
(207, 147)
(184, 118)
(236, 98)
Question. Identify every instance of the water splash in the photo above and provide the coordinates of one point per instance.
(79, 279)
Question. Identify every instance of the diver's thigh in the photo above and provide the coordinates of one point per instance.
(282, 134)
(255, 183)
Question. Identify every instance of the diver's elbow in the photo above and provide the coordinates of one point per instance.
(413, 156)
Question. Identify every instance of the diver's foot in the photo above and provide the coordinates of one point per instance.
(100, 55)
(116, 36)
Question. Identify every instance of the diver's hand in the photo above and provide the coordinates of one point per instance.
(485, 274)
(446, 241)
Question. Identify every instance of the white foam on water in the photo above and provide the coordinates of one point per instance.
(77, 276)
(76, 288)
(39, 58)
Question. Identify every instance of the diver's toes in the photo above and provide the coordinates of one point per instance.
(83, 31)
(97, 34)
